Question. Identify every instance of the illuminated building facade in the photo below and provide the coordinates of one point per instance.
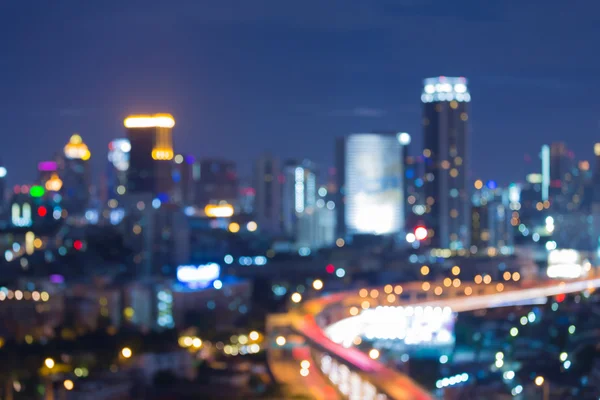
(185, 177)
(118, 164)
(445, 127)
(370, 169)
(3, 173)
(217, 182)
(151, 154)
(158, 235)
(298, 194)
(75, 175)
(267, 203)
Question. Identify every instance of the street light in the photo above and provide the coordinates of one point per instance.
(49, 363)
(540, 381)
(126, 352)
(317, 284)
(280, 341)
(296, 297)
(68, 384)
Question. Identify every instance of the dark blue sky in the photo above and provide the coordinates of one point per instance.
(242, 77)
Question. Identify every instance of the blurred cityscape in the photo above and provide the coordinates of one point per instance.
(393, 272)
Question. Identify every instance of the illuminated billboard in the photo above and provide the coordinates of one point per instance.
(373, 176)
(198, 276)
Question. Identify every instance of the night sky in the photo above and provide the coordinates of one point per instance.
(243, 77)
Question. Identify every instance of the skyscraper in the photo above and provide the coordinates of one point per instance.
(370, 172)
(151, 151)
(118, 165)
(298, 193)
(3, 173)
(445, 127)
(267, 204)
(218, 182)
(186, 176)
(75, 174)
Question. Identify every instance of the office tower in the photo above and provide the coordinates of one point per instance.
(118, 164)
(559, 163)
(186, 176)
(151, 154)
(445, 128)
(298, 191)
(267, 203)
(545, 156)
(75, 176)
(490, 220)
(3, 173)
(370, 172)
(218, 182)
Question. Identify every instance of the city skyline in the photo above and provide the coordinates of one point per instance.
(357, 71)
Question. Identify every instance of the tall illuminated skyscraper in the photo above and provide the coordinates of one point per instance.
(118, 165)
(3, 173)
(298, 194)
(267, 203)
(445, 127)
(151, 154)
(370, 171)
(75, 175)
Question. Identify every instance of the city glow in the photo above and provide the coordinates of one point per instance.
(317, 284)
(219, 211)
(150, 121)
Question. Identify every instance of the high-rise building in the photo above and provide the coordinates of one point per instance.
(298, 193)
(118, 165)
(151, 153)
(545, 156)
(218, 182)
(75, 176)
(267, 203)
(3, 173)
(186, 176)
(370, 173)
(559, 163)
(445, 127)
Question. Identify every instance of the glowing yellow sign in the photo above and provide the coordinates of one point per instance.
(76, 149)
(225, 210)
(150, 121)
